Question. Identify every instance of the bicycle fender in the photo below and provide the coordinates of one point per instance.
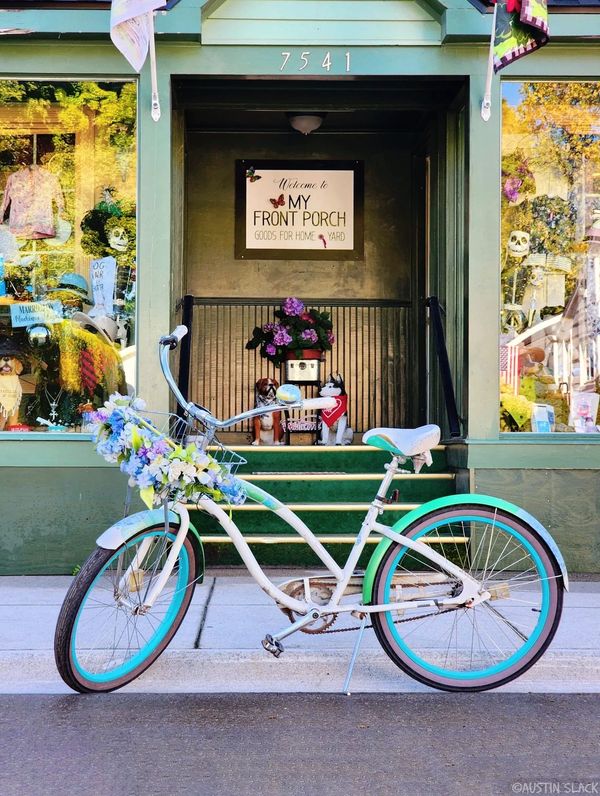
(455, 500)
(124, 529)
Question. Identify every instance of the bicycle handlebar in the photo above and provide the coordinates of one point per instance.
(171, 341)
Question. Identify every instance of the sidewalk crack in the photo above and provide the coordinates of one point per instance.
(204, 613)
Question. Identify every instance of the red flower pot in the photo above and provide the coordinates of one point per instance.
(304, 353)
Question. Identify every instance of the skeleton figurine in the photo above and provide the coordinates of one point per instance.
(118, 239)
(514, 280)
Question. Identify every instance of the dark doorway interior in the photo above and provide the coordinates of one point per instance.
(397, 129)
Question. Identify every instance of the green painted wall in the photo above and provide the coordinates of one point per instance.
(385, 271)
(566, 502)
(51, 517)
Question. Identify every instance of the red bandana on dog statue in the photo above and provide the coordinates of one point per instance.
(331, 416)
(335, 421)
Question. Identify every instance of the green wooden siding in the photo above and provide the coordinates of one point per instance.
(313, 22)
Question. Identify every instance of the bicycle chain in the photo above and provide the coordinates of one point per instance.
(396, 621)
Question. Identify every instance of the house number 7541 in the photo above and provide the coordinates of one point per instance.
(301, 61)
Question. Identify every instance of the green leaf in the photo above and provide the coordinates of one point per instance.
(147, 495)
(136, 439)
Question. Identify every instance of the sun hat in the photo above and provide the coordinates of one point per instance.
(9, 347)
(103, 324)
(74, 282)
(62, 233)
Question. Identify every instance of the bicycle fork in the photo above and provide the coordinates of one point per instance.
(157, 585)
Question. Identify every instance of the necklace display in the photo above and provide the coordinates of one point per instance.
(53, 403)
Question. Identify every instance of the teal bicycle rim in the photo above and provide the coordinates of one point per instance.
(160, 632)
(500, 666)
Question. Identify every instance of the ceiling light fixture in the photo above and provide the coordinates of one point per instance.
(305, 122)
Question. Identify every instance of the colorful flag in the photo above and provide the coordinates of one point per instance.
(132, 33)
(131, 28)
(521, 27)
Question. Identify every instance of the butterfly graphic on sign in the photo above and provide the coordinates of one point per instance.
(252, 175)
(279, 202)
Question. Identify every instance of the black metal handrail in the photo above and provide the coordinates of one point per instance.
(435, 313)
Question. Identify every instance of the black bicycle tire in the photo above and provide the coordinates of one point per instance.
(549, 628)
(72, 603)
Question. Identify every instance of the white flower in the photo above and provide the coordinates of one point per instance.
(181, 470)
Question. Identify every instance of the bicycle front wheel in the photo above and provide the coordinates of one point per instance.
(469, 649)
(104, 638)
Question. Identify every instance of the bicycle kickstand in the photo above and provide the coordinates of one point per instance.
(361, 630)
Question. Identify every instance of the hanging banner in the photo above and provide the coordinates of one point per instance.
(132, 33)
(33, 312)
(310, 210)
(518, 28)
(521, 27)
(131, 28)
(102, 280)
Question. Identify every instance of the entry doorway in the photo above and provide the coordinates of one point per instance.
(397, 130)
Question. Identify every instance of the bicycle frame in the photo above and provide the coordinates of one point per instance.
(471, 592)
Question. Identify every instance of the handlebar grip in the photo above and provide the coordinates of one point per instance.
(173, 339)
(319, 403)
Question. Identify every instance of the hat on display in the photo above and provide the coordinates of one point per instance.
(75, 283)
(103, 324)
(9, 347)
(61, 235)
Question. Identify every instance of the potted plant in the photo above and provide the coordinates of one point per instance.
(297, 333)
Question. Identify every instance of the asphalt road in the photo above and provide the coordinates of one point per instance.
(304, 744)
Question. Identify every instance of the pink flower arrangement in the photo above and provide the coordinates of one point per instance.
(295, 329)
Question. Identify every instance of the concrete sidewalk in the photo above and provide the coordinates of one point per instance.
(218, 647)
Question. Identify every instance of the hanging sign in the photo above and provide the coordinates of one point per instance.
(33, 312)
(103, 274)
(299, 210)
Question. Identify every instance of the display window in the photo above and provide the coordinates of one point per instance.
(550, 258)
(67, 250)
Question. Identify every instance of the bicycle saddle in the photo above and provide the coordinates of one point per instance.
(403, 441)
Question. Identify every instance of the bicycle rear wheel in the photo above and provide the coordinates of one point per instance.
(103, 640)
(469, 649)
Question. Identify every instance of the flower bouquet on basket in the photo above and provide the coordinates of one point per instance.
(161, 468)
(295, 331)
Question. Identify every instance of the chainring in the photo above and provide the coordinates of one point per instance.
(320, 594)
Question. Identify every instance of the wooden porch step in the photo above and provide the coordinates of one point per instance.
(309, 476)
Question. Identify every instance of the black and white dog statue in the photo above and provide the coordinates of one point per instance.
(335, 421)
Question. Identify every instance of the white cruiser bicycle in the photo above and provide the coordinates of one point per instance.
(464, 593)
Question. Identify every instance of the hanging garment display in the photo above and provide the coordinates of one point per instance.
(31, 194)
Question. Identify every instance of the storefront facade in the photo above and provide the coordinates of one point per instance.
(401, 83)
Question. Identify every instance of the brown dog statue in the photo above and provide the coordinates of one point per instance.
(11, 392)
(267, 428)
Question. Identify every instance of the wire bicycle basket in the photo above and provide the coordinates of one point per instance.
(165, 455)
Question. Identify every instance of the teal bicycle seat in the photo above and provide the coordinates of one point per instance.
(403, 441)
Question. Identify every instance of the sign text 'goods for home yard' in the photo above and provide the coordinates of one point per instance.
(309, 210)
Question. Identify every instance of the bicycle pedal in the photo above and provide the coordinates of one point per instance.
(272, 646)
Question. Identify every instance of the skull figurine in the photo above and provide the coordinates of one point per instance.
(518, 243)
(536, 277)
(119, 240)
